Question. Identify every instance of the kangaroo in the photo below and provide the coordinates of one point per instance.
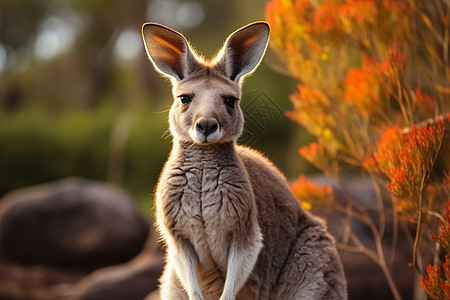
(231, 225)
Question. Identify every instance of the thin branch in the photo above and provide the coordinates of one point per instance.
(348, 225)
(351, 212)
(417, 237)
(399, 97)
(381, 209)
(370, 254)
(359, 248)
(446, 39)
(435, 214)
(383, 265)
(377, 256)
(394, 235)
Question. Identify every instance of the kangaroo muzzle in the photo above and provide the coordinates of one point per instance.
(206, 130)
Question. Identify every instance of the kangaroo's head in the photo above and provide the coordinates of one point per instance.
(206, 93)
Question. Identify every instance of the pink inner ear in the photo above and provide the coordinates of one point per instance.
(250, 41)
(170, 47)
(168, 51)
(168, 58)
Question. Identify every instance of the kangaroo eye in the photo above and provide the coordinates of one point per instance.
(185, 99)
(229, 101)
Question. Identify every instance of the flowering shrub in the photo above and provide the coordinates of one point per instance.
(443, 238)
(407, 159)
(437, 283)
(374, 86)
(383, 158)
(311, 195)
(414, 161)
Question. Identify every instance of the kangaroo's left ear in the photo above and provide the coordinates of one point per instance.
(243, 50)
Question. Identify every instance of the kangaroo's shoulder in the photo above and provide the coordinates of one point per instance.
(257, 164)
(267, 181)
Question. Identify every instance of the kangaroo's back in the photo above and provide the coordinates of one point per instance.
(232, 227)
(293, 239)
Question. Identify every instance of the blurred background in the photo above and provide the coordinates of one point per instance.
(80, 99)
(78, 96)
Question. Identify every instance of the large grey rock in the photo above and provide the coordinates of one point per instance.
(74, 222)
(129, 281)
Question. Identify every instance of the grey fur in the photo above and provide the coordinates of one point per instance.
(232, 226)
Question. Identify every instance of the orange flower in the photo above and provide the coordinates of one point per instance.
(325, 18)
(406, 209)
(361, 90)
(319, 156)
(413, 163)
(384, 157)
(394, 64)
(311, 195)
(425, 104)
(313, 110)
(343, 17)
(437, 283)
(446, 180)
(443, 238)
(359, 11)
(363, 86)
(312, 152)
(397, 7)
(406, 159)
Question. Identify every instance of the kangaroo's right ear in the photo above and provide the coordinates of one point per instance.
(168, 50)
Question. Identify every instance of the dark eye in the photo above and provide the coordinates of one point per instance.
(229, 101)
(185, 99)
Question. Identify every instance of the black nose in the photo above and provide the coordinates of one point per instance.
(206, 126)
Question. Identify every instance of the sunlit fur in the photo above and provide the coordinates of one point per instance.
(231, 225)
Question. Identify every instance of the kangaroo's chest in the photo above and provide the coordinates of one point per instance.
(206, 203)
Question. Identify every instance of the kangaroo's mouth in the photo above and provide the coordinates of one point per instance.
(202, 138)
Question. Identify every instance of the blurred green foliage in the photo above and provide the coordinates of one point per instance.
(78, 99)
(39, 146)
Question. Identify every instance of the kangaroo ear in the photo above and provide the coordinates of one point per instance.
(244, 49)
(168, 50)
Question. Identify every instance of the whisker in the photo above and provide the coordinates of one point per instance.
(166, 134)
(249, 91)
(158, 112)
(192, 145)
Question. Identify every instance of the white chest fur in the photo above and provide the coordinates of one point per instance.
(206, 200)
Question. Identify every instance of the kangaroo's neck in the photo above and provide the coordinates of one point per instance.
(217, 154)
